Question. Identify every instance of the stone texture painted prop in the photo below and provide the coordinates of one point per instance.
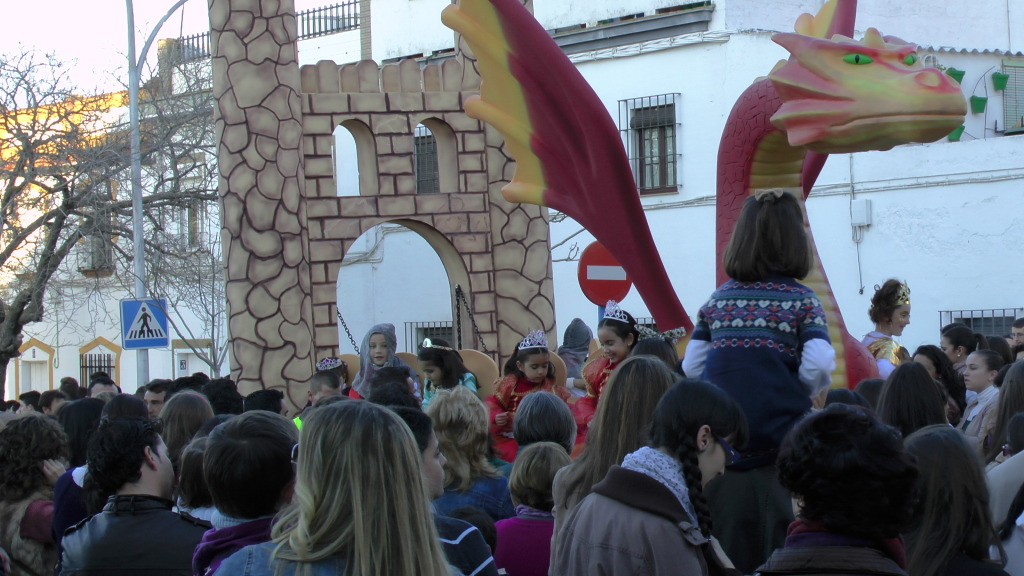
(266, 249)
(286, 230)
(834, 94)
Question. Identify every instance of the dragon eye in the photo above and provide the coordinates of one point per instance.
(910, 60)
(857, 59)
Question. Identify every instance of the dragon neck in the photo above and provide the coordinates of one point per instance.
(753, 154)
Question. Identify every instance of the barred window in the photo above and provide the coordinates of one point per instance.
(425, 154)
(415, 332)
(993, 322)
(1013, 96)
(95, 362)
(648, 125)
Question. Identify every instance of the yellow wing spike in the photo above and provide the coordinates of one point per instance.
(873, 39)
(817, 25)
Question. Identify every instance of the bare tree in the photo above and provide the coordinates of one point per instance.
(63, 162)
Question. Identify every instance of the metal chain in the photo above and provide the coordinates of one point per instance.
(460, 297)
(347, 331)
(458, 317)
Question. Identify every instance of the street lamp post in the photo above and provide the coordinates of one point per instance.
(142, 356)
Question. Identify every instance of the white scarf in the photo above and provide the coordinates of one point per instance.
(666, 470)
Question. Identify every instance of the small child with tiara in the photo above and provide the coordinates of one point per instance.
(442, 369)
(617, 334)
(527, 370)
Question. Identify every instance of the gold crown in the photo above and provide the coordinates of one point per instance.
(903, 296)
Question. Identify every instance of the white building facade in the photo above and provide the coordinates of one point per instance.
(943, 216)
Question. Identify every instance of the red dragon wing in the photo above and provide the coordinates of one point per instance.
(568, 151)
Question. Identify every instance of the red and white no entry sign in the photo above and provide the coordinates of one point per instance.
(601, 277)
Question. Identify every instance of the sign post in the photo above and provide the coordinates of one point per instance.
(601, 277)
(144, 323)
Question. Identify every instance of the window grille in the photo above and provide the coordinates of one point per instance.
(311, 24)
(91, 363)
(993, 322)
(425, 153)
(415, 332)
(649, 128)
(1013, 96)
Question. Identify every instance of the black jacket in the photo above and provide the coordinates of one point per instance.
(830, 560)
(132, 535)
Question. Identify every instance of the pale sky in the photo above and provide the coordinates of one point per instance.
(95, 34)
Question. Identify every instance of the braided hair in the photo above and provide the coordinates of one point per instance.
(681, 412)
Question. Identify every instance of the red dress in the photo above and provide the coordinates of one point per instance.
(595, 374)
(508, 393)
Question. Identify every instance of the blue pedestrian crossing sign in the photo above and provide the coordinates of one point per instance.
(144, 323)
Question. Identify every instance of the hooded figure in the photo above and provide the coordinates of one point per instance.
(575, 347)
(361, 383)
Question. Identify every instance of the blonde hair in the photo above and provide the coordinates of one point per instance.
(354, 499)
(533, 473)
(460, 422)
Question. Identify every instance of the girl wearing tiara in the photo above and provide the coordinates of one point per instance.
(442, 369)
(377, 351)
(890, 311)
(762, 338)
(617, 334)
(528, 370)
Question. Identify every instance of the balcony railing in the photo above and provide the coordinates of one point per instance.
(312, 23)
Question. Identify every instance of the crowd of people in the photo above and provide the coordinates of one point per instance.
(739, 459)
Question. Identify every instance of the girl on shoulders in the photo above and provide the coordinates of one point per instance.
(377, 351)
(527, 370)
(442, 369)
(763, 338)
(617, 334)
(890, 311)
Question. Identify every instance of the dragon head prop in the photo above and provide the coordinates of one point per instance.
(840, 95)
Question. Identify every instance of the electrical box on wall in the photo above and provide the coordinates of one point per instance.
(860, 213)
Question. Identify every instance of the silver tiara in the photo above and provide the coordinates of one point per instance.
(613, 312)
(328, 364)
(535, 339)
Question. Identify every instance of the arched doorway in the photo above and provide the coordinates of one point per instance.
(403, 272)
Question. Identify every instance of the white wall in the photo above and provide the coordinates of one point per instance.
(391, 275)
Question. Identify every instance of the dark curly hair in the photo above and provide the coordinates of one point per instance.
(223, 395)
(116, 454)
(688, 405)
(850, 472)
(883, 303)
(24, 443)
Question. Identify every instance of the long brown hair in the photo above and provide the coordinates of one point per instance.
(1011, 401)
(953, 517)
(622, 423)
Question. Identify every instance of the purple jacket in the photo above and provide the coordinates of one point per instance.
(217, 545)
